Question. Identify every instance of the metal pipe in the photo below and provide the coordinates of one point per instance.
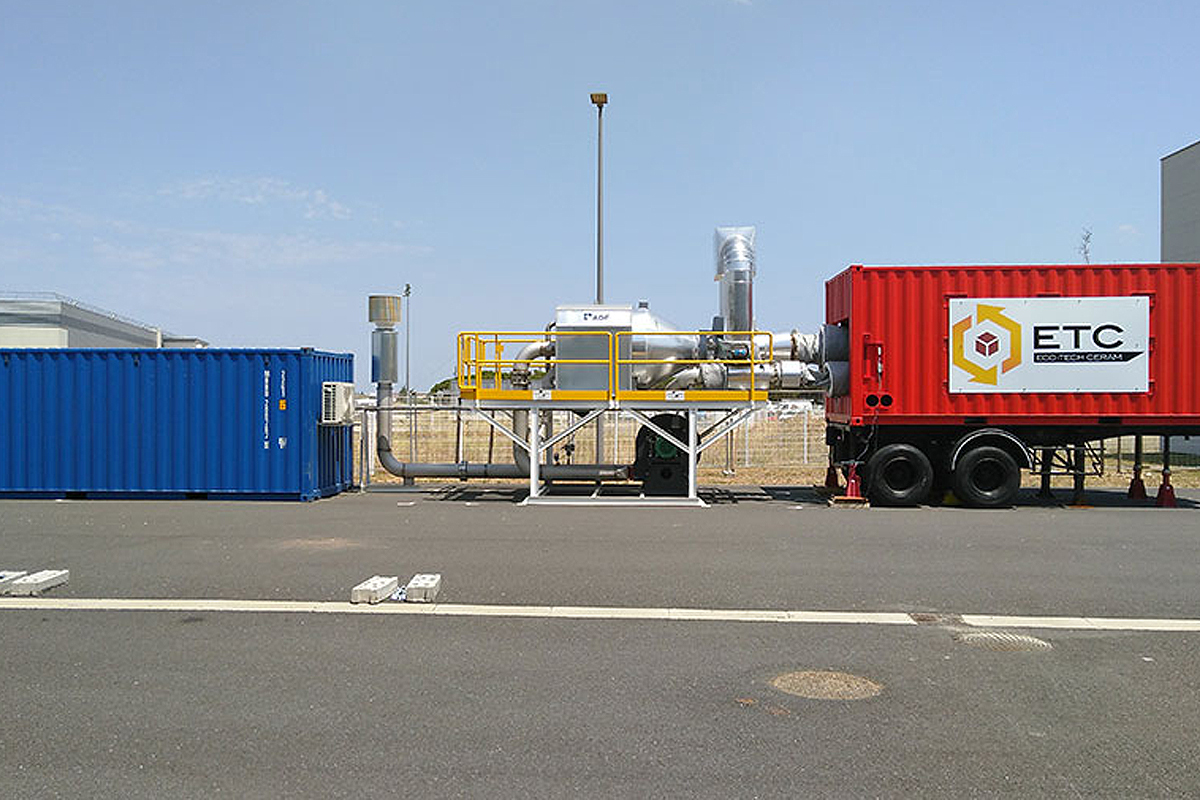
(795, 346)
(566, 472)
(531, 351)
(464, 469)
(773, 375)
(599, 100)
(734, 249)
(412, 420)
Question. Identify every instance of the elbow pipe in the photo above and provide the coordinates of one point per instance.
(542, 349)
(464, 469)
(563, 472)
(683, 379)
(461, 469)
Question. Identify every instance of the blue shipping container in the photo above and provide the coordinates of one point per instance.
(171, 423)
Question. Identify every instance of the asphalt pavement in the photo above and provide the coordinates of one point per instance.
(154, 704)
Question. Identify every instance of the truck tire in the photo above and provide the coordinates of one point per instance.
(986, 477)
(898, 475)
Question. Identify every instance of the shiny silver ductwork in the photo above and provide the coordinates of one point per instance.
(577, 346)
(771, 375)
(793, 346)
(654, 339)
(734, 249)
(384, 312)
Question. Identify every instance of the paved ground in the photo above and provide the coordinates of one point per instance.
(249, 704)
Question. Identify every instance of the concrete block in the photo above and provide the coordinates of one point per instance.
(9, 575)
(423, 587)
(374, 589)
(38, 582)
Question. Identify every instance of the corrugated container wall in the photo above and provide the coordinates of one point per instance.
(142, 422)
(899, 344)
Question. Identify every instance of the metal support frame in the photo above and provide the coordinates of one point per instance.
(490, 420)
(735, 416)
(732, 421)
(570, 429)
(1061, 460)
(535, 455)
(693, 454)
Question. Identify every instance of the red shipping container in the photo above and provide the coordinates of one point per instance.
(1020, 346)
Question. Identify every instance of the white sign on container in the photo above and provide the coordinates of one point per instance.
(1049, 344)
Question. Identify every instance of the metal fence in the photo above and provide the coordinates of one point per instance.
(777, 436)
(1185, 452)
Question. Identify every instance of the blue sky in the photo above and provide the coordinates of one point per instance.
(250, 171)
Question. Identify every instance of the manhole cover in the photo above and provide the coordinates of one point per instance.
(823, 685)
(1000, 640)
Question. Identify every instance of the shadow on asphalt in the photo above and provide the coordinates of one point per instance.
(803, 495)
(713, 495)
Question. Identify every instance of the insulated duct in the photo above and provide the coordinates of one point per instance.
(773, 375)
(795, 346)
(734, 249)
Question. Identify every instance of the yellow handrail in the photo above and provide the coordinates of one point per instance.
(478, 350)
(482, 352)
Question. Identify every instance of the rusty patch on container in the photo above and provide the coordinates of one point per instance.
(317, 545)
(1002, 641)
(826, 685)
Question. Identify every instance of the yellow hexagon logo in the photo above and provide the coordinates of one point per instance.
(986, 344)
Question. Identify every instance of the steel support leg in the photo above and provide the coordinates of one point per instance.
(535, 454)
(1047, 463)
(1078, 494)
(1137, 487)
(691, 451)
(1166, 492)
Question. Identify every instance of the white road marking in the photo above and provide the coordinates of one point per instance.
(1083, 623)
(585, 612)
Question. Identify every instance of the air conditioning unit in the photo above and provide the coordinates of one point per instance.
(337, 403)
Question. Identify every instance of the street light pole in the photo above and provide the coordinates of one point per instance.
(599, 99)
(412, 433)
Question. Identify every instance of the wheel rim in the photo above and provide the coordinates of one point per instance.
(899, 475)
(989, 476)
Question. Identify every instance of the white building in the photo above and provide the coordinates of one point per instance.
(51, 320)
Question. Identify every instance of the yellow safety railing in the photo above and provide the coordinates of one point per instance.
(749, 393)
(481, 367)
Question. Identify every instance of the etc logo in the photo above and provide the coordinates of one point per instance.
(985, 344)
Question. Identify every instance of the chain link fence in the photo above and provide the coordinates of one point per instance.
(1185, 452)
(782, 441)
(777, 436)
